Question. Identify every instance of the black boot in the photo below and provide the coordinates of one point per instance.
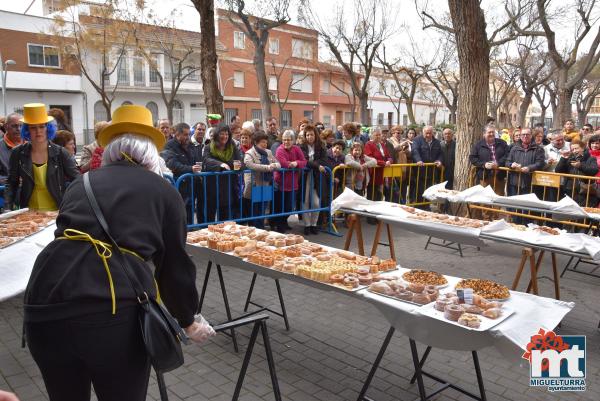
(314, 230)
(306, 230)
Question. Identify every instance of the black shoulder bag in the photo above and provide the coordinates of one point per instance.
(161, 333)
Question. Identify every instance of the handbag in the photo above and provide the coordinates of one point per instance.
(161, 333)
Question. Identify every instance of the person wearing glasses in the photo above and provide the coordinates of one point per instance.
(11, 139)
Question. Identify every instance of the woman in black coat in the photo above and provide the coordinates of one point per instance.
(222, 155)
(38, 170)
(81, 313)
(579, 162)
(315, 181)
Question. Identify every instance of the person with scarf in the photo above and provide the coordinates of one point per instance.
(246, 141)
(578, 161)
(221, 155)
(594, 149)
(262, 163)
(335, 158)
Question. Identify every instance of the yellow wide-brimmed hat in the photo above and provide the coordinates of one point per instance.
(132, 119)
(35, 113)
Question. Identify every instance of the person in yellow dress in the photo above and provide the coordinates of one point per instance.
(38, 169)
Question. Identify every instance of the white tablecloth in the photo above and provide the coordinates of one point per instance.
(16, 261)
(509, 337)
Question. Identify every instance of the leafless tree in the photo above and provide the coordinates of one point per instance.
(467, 22)
(567, 79)
(208, 62)
(442, 73)
(589, 90)
(257, 23)
(407, 78)
(181, 55)
(281, 92)
(534, 68)
(355, 41)
(91, 42)
(392, 93)
(543, 98)
(502, 87)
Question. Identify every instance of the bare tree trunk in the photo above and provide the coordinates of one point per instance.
(523, 107)
(263, 84)
(410, 111)
(563, 99)
(543, 115)
(364, 109)
(473, 48)
(581, 117)
(208, 62)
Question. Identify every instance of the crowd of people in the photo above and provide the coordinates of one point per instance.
(268, 171)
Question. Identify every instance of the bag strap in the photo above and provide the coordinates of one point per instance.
(133, 282)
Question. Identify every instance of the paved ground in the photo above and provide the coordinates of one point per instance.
(334, 338)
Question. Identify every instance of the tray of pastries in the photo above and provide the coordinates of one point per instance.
(425, 277)
(17, 225)
(480, 315)
(413, 293)
(485, 288)
(422, 215)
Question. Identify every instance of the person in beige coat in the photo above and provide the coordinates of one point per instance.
(357, 177)
(262, 163)
(88, 150)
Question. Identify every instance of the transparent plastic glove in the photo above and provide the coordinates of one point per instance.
(200, 330)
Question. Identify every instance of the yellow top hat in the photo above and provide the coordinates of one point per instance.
(132, 119)
(35, 113)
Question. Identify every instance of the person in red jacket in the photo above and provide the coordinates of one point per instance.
(377, 149)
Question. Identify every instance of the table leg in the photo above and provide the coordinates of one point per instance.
(359, 237)
(418, 372)
(376, 238)
(524, 255)
(479, 376)
(380, 354)
(204, 286)
(537, 269)
(227, 309)
(556, 276)
(421, 363)
(532, 265)
(249, 297)
(351, 227)
(391, 241)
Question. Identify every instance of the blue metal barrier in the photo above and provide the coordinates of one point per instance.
(1, 197)
(216, 197)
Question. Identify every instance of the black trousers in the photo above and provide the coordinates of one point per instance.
(100, 349)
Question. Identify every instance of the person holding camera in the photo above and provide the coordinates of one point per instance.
(578, 161)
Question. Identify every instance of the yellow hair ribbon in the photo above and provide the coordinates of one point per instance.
(128, 157)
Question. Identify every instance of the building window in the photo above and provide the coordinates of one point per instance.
(348, 116)
(139, 73)
(325, 86)
(238, 79)
(154, 70)
(239, 40)
(286, 118)
(153, 107)
(257, 113)
(178, 116)
(301, 83)
(273, 46)
(43, 56)
(309, 114)
(302, 49)
(272, 82)
(100, 112)
(405, 119)
(123, 71)
(229, 114)
(327, 121)
(380, 119)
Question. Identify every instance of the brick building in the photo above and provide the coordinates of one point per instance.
(292, 72)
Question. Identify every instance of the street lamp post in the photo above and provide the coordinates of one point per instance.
(3, 71)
